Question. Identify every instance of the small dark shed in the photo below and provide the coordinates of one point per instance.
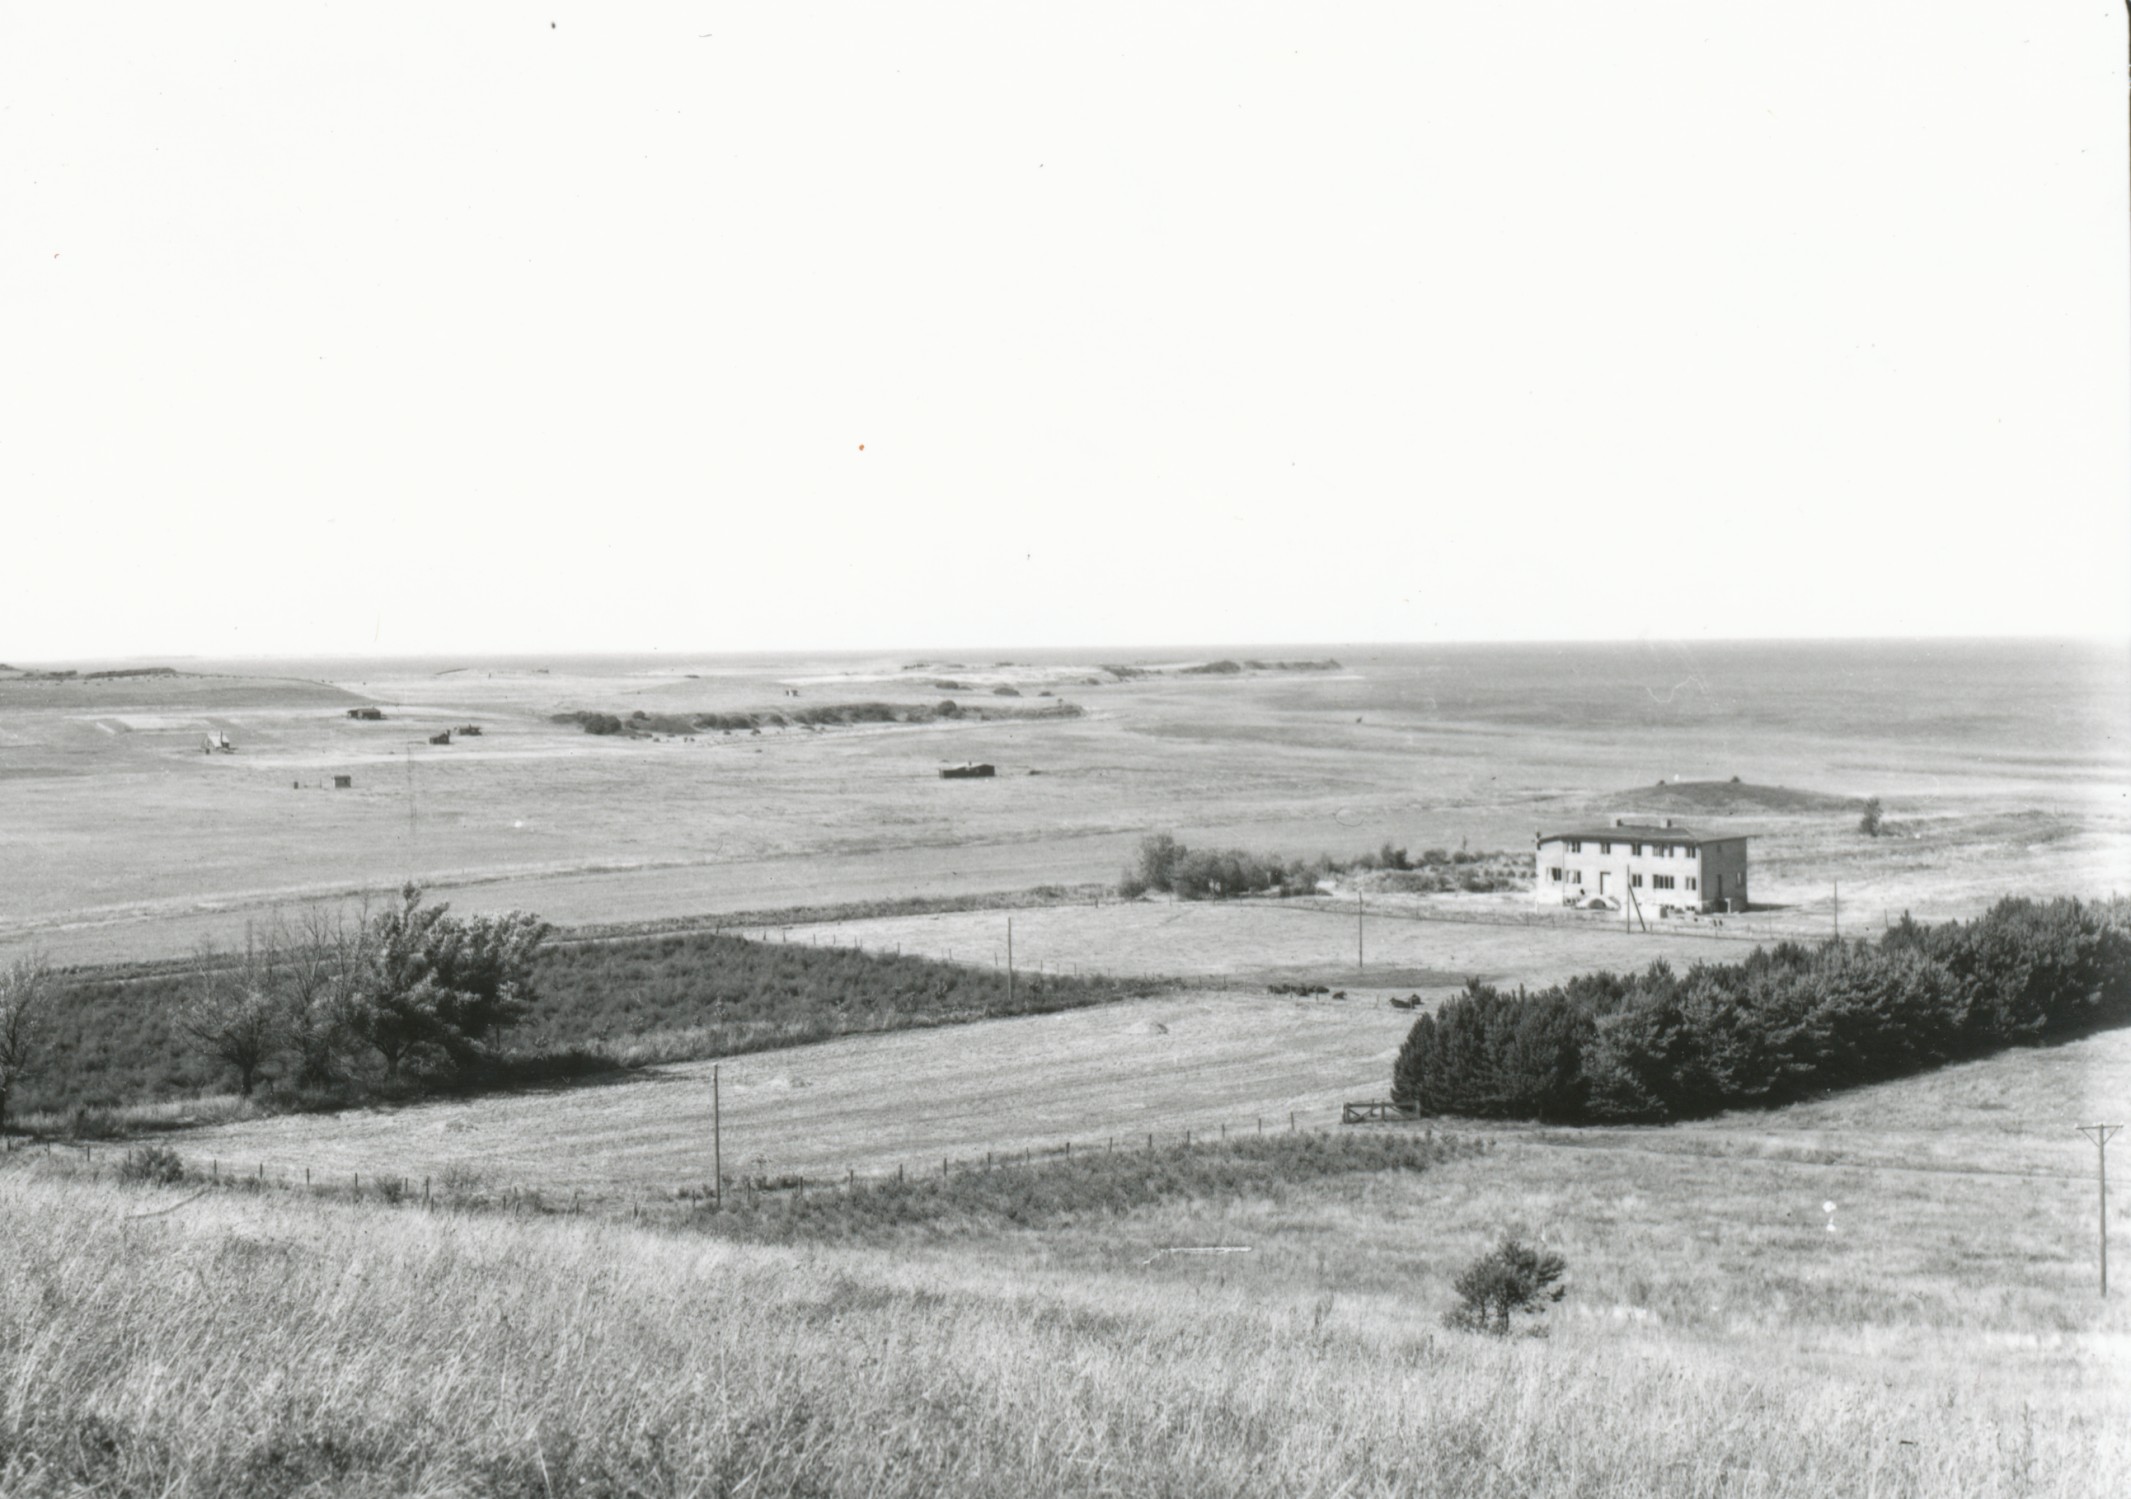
(342, 783)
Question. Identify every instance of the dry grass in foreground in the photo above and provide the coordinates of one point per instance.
(261, 1345)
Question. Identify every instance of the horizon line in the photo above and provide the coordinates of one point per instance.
(1171, 647)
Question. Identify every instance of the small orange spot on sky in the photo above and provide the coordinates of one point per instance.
(862, 447)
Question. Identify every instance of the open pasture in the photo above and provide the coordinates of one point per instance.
(119, 839)
(1199, 1062)
(1274, 940)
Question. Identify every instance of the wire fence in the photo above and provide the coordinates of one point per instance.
(745, 1183)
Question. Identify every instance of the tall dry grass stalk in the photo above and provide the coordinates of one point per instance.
(267, 1345)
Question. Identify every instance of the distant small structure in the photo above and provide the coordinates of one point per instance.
(368, 715)
(443, 738)
(468, 730)
(342, 783)
(217, 744)
(968, 770)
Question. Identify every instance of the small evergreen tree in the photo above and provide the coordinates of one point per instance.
(1869, 823)
(1512, 1278)
(437, 983)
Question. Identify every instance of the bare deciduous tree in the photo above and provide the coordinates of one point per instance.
(325, 958)
(25, 993)
(235, 1014)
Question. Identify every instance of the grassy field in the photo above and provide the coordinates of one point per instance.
(115, 1041)
(1197, 1061)
(120, 839)
(1718, 1339)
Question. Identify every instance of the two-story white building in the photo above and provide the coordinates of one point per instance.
(1656, 866)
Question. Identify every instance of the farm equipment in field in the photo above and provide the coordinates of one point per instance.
(968, 770)
(217, 743)
(468, 731)
(443, 738)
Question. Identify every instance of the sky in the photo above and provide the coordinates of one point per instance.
(412, 328)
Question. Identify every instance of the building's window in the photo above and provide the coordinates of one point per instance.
(1690, 882)
(1636, 880)
(1605, 848)
(1575, 845)
(1576, 877)
(1661, 881)
(1636, 850)
(1554, 873)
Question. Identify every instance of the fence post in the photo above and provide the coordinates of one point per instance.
(1291, 1121)
(1150, 1139)
(898, 1173)
(425, 1192)
(307, 1178)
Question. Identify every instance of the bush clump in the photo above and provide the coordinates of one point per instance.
(1787, 1022)
(1166, 865)
(151, 1166)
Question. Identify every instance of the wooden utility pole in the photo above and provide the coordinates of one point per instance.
(1009, 962)
(2100, 1134)
(717, 1142)
(1838, 910)
(1360, 955)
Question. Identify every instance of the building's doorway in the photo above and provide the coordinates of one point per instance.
(1605, 882)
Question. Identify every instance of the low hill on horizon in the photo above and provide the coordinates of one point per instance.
(1728, 798)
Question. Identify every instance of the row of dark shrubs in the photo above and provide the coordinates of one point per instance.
(69, 674)
(1786, 1023)
(826, 715)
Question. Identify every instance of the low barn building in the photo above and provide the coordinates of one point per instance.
(1655, 866)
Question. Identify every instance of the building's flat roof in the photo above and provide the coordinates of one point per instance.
(1645, 834)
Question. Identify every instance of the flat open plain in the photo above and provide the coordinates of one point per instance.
(2003, 769)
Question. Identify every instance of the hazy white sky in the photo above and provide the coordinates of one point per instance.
(417, 327)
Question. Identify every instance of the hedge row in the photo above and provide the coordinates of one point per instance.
(1788, 1022)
